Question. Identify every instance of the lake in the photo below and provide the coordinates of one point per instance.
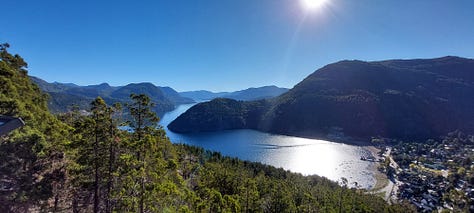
(302, 155)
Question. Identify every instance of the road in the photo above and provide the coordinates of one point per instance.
(391, 189)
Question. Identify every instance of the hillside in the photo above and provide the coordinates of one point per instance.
(220, 114)
(409, 99)
(64, 96)
(84, 163)
(249, 94)
(258, 93)
(174, 96)
(30, 158)
(202, 95)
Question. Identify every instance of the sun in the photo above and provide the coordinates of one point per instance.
(313, 4)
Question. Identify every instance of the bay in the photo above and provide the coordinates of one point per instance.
(302, 155)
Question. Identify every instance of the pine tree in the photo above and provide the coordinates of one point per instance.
(113, 140)
(32, 160)
(51, 166)
(94, 158)
(144, 122)
(100, 116)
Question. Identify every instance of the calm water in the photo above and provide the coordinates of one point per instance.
(306, 156)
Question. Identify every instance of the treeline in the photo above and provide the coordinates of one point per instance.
(84, 162)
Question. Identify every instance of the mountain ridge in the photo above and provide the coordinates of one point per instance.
(403, 99)
(249, 94)
(64, 95)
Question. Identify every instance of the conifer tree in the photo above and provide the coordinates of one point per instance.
(32, 160)
(144, 122)
(113, 140)
(95, 146)
(100, 117)
(86, 164)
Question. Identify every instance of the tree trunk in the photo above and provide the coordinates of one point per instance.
(142, 183)
(75, 208)
(108, 205)
(96, 171)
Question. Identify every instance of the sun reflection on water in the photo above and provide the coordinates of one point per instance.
(302, 155)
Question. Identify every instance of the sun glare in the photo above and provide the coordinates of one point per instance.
(313, 4)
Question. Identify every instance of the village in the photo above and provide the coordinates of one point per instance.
(433, 176)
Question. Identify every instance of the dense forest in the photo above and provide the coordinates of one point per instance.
(83, 162)
(402, 99)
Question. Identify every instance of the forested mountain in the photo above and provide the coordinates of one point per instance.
(84, 163)
(258, 93)
(64, 96)
(405, 99)
(52, 87)
(249, 94)
(202, 95)
(156, 95)
(175, 97)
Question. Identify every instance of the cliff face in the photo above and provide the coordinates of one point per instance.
(398, 99)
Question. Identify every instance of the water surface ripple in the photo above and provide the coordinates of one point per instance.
(302, 155)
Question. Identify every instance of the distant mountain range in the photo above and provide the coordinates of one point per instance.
(66, 95)
(403, 99)
(249, 94)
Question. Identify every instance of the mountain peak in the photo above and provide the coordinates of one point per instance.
(146, 84)
(401, 99)
(252, 93)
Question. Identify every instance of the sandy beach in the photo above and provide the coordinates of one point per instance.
(383, 186)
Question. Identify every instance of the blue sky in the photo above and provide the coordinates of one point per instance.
(225, 45)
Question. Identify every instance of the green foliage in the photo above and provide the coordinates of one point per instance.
(225, 184)
(221, 114)
(84, 163)
(32, 158)
(64, 96)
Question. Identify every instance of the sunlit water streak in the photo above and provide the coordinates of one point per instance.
(302, 155)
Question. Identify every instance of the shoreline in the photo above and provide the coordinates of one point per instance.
(383, 187)
(381, 179)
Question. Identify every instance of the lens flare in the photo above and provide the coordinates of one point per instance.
(313, 4)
